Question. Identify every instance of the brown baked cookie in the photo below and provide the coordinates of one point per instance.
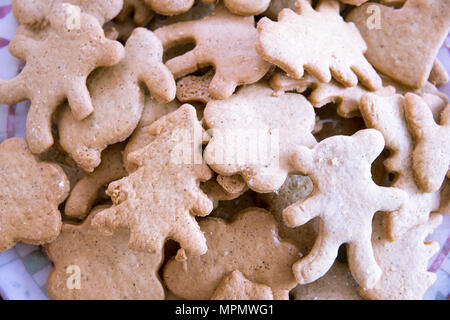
(251, 234)
(340, 169)
(91, 266)
(35, 13)
(30, 192)
(222, 40)
(162, 197)
(431, 158)
(87, 190)
(405, 44)
(118, 99)
(329, 46)
(237, 287)
(403, 262)
(254, 132)
(387, 115)
(56, 68)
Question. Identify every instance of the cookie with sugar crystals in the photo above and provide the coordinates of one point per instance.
(30, 193)
(107, 268)
(318, 41)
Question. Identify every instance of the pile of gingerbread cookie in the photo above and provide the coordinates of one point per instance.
(131, 177)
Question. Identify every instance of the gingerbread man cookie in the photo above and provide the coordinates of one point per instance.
(340, 169)
(56, 68)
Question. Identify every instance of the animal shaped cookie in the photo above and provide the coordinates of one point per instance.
(251, 234)
(387, 115)
(254, 132)
(162, 197)
(222, 40)
(389, 46)
(118, 100)
(318, 41)
(30, 192)
(56, 68)
(340, 169)
(107, 269)
(431, 158)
